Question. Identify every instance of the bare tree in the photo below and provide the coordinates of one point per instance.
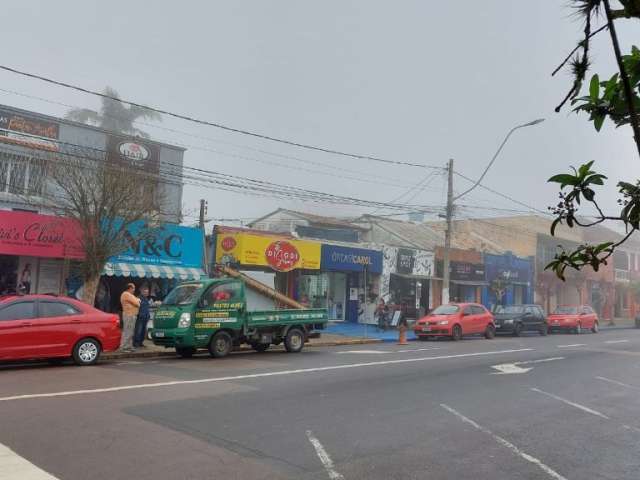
(114, 116)
(105, 196)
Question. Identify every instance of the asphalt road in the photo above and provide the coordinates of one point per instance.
(563, 406)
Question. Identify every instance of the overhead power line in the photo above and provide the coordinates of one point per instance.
(213, 124)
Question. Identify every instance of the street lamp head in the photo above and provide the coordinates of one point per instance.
(534, 122)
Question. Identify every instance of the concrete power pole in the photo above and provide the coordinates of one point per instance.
(203, 211)
(447, 235)
(205, 253)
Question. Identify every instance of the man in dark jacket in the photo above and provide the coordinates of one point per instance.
(144, 314)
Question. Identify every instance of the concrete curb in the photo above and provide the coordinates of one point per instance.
(171, 353)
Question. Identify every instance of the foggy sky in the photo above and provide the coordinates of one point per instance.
(420, 81)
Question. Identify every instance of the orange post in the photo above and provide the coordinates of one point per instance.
(402, 330)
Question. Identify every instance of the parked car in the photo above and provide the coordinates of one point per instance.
(50, 327)
(455, 320)
(515, 319)
(573, 318)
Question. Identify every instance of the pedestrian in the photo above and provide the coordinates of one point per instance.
(144, 314)
(130, 306)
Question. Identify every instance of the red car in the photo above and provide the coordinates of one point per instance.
(573, 318)
(456, 320)
(45, 326)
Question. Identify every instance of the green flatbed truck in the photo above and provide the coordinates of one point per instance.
(218, 314)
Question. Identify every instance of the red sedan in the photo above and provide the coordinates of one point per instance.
(45, 326)
(456, 320)
(573, 318)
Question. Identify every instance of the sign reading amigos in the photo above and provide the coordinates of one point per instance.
(28, 131)
(278, 253)
(31, 234)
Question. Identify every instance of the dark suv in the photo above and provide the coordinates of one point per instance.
(515, 319)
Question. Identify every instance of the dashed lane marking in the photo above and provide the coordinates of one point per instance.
(573, 404)
(505, 443)
(616, 341)
(258, 375)
(573, 345)
(13, 466)
(324, 457)
(616, 382)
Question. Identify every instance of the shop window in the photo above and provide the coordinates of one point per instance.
(17, 311)
(57, 309)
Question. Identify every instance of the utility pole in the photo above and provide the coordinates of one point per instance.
(203, 211)
(447, 235)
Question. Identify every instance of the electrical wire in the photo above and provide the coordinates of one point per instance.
(212, 124)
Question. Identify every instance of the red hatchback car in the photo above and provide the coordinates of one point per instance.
(45, 326)
(455, 320)
(573, 318)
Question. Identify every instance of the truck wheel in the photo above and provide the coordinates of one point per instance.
(260, 347)
(185, 352)
(220, 345)
(294, 341)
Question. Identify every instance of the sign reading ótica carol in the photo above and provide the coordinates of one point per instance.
(278, 253)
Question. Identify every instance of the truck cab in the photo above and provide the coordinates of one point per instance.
(218, 314)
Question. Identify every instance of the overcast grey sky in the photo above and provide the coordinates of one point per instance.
(418, 81)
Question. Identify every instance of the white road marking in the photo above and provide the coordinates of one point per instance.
(362, 352)
(573, 404)
(324, 457)
(417, 349)
(505, 443)
(573, 345)
(632, 428)
(616, 341)
(616, 382)
(13, 466)
(386, 352)
(514, 368)
(257, 375)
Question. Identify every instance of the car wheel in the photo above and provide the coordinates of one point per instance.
(544, 329)
(595, 328)
(294, 341)
(456, 333)
(185, 352)
(517, 330)
(220, 345)
(86, 352)
(260, 347)
(490, 332)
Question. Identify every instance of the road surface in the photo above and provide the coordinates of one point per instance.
(557, 407)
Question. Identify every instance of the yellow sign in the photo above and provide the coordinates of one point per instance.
(278, 253)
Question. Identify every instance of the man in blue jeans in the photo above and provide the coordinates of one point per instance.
(143, 317)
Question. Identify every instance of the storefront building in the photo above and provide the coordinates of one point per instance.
(349, 282)
(407, 280)
(37, 252)
(509, 280)
(157, 258)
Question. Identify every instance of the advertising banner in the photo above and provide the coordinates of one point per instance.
(338, 258)
(406, 260)
(133, 151)
(28, 131)
(167, 244)
(469, 272)
(280, 254)
(31, 234)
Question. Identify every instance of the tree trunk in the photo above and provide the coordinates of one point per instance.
(90, 290)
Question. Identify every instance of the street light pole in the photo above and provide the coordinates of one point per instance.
(448, 233)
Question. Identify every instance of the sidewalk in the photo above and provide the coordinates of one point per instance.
(360, 330)
(618, 323)
(326, 340)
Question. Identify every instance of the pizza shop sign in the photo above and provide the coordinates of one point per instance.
(282, 256)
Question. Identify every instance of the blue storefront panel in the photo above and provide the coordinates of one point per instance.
(347, 259)
(516, 274)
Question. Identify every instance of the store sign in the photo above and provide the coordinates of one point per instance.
(405, 261)
(167, 244)
(467, 271)
(338, 258)
(279, 254)
(28, 131)
(31, 234)
(133, 152)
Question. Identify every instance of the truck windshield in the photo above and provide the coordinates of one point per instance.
(509, 309)
(183, 294)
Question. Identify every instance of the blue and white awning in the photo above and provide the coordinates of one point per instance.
(153, 271)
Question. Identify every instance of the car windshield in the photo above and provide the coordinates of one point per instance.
(509, 309)
(566, 310)
(446, 310)
(183, 294)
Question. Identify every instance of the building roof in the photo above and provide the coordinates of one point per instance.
(314, 219)
(419, 235)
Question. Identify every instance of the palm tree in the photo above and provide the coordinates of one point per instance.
(114, 116)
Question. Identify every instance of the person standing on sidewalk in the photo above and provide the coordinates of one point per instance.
(144, 314)
(130, 306)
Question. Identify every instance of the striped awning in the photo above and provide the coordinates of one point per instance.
(153, 271)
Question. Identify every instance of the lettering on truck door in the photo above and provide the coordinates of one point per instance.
(220, 307)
